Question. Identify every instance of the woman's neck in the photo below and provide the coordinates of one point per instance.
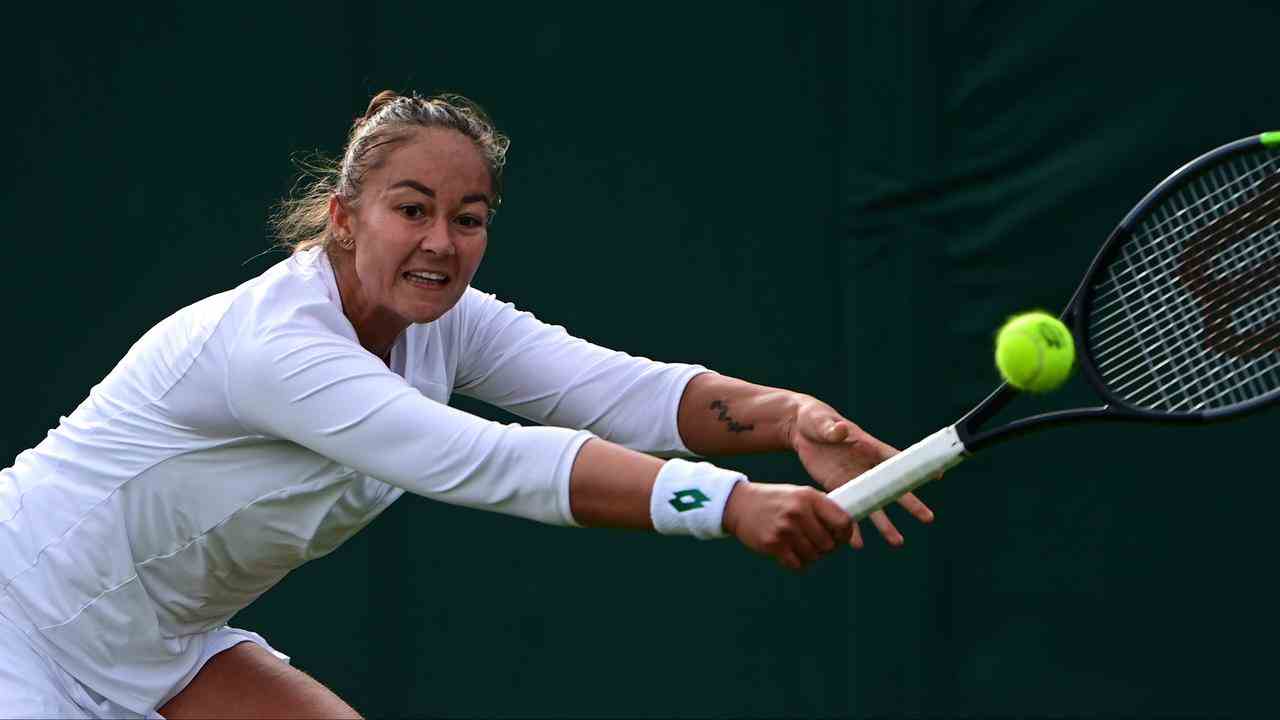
(376, 327)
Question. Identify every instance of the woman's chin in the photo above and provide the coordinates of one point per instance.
(428, 312)
(426, 304)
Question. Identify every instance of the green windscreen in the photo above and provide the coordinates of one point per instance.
(844, 199)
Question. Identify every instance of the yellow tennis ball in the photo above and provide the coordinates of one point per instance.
(1035, 352)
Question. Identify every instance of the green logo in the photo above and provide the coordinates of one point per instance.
(690, 499)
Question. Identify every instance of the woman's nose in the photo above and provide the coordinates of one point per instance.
(436, 239)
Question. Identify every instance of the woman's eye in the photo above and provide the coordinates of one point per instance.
(470, 221)
(413, 212)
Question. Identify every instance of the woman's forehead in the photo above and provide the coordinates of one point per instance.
(438, 154)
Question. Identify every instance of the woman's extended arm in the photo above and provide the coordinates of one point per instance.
(720, 415)
(509, 358)
(612, 486)
(538, 371)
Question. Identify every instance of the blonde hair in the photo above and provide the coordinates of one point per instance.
(302, 220)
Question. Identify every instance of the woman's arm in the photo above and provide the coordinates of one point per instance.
(720, 415)
(298, 378)
(612, 486)
(511, 359)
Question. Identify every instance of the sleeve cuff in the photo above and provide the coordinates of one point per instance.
(673, 412)
(563, 472)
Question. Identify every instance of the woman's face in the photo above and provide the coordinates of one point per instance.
(420, 227)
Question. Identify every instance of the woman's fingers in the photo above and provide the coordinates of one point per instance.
(815, 530)
(813, 526)
(789, 560)
(797, 525)
(918, 509)
(886, 528)
(855, 538)
(843, 529)
(835, 520)
(803, 548)
(838, 430)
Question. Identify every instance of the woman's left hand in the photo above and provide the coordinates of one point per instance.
(834, 450)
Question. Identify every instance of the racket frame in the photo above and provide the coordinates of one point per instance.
(1075, 316)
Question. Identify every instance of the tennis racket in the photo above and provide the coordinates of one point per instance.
(1177, 319)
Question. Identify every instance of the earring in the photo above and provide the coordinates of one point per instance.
(346, 242)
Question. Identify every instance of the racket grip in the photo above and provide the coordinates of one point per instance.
(900, 474)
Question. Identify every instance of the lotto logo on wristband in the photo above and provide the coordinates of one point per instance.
(690, 499)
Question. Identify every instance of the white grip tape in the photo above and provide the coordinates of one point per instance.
(900, 474)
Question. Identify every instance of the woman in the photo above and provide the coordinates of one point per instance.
(261, 427)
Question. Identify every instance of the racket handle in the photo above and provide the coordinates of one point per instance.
(900, 474)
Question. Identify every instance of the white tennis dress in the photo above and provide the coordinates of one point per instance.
(249, 433)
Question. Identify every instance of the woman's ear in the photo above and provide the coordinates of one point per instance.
(340, 221)
(339, 217)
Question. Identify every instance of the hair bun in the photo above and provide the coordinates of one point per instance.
(379, 101)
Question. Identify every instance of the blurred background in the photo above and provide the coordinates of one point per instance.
(842, 199)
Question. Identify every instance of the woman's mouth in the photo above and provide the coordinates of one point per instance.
(426, 278)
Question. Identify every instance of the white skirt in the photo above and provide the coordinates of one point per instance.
(33, 686)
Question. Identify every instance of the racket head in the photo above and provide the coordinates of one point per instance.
(1178, 316)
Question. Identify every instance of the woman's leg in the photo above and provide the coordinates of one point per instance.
(248, 681)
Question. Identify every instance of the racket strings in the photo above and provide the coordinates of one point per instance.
(1167, 259)
(1199, 378)
(1217, 210)
(1237, 384)
(1219, 244)
(1212, 201)
(1245, 292)
(1202, 285)
(1203, 390)
(1220, 293)
(1196, 384)
(1187, 315)
(1212, 205)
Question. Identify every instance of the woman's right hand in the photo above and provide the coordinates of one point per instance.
(793, 524)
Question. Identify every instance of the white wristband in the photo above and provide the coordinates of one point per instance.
(689, 498)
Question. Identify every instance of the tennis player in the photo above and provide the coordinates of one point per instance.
(261, 427)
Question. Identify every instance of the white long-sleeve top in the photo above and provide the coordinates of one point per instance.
(250, 432)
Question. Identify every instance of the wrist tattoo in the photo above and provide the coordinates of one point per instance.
(722, 408)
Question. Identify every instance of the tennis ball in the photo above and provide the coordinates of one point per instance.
(1035, 352)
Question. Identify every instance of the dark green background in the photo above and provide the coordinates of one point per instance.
(840, 199)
